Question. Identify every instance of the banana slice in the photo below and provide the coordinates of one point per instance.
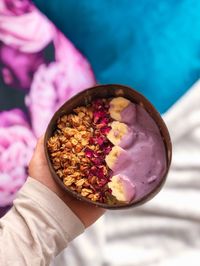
(122, 188)
(117, 132)
(112, 157)
(117, 105)
(118, 159)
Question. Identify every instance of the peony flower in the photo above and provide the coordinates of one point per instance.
(16, 148)
(17, 68)
(20, 49)
(14, 117)
(16, 7)
(23, 27)
(78, 69)
(52, 86)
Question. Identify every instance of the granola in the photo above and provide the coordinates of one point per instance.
(78, 149)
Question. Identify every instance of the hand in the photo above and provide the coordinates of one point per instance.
(39, 170)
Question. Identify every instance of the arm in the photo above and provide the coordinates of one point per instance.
(43, 219)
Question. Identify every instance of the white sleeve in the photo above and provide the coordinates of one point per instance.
(37, 228)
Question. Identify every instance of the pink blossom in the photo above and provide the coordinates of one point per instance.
(15, 7)
(54, 84)
(18, 67)
(14, 117)
(78, 68)
(24, 33)
(23, 27)
(16, 148)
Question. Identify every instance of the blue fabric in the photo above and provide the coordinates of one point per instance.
(153, 46)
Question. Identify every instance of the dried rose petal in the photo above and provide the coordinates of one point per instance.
(97, 140)
(98, 115)
(100, 140)
(92, 140)
(97, 104)
(109, 190)
(96, 154)
(102, 182)
(89, 153)
(107, 149)
(105, 130)
(93, 171)
(97, 161)
(100, 173)
(105, 121)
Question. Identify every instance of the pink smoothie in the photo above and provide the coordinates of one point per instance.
(143, 160)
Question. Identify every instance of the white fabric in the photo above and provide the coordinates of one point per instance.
(165, 231)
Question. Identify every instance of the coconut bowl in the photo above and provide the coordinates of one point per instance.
(108, 91)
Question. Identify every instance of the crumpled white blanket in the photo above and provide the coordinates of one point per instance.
(165, 231)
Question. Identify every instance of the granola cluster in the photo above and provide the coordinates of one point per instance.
(78, 149)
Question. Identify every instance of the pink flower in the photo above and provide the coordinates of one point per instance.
(28, 32)
(14, 117)
(53, 85)
(18, 67)
(16, 148)
(16, 7)
(78, 69)
(24, 33)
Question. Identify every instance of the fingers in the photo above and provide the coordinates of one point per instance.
(39, 149)
(40, 143)
(39, 155)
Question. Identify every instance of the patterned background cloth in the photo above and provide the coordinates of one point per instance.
(40, 69)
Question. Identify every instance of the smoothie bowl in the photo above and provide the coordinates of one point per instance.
(108, 146)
